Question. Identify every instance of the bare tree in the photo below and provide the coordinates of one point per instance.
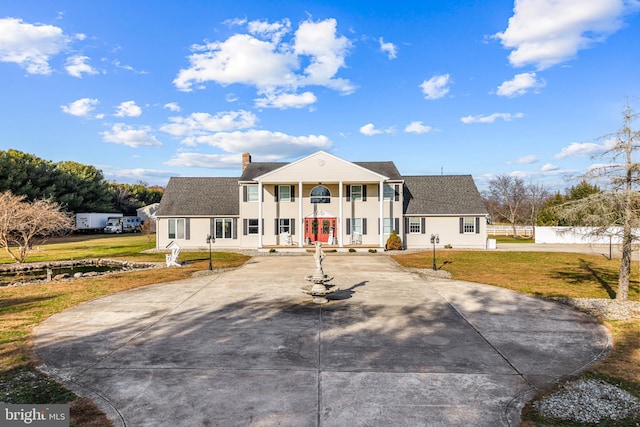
(536, 197)
(507, 195)
(618, 205)
(21, 222)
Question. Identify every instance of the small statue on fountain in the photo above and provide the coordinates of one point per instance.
(319, 256)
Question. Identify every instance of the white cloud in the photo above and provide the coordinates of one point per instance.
(576, 149)
(272, 31)
(269, 145)
(172, 106)
(286, 100)
(417, 127)
(527, 160)
(507, 117)
(128, 135)
(30, 46)
(122, 66)
(548, 167)
(389, 48)
(198, 124)
(548, 32)
(209, 161)
(128, 109)
(370, 130)
(436, 87)
(263, 60)
(77, 65)
(520, 85)
(326, 52)
(81, 107)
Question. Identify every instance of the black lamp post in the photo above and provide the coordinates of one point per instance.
(434, 239)
(209, 239)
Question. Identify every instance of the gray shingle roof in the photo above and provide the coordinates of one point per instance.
(387, 169)
(256, 169)
(442, 195)
(200, 196)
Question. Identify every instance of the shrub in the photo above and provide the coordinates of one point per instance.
(352, 249)
(393, 242)
(373, 251)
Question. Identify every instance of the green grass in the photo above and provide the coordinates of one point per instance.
(127, 246)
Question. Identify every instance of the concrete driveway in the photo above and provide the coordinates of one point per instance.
(247, 347)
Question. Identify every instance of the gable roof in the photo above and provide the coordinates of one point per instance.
(256, 169)
(442, 195)
(200, 196)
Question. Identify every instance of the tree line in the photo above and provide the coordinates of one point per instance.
(75, 187)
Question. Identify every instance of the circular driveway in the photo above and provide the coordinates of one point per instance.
(247, 347)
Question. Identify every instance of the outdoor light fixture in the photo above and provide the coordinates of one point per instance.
(210, 238)
(435, 238)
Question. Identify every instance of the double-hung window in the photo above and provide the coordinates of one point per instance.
(415, 225)
(356, 193)
(252, 193)
(284, 225)
(252, 226)
(356, 225)
(176, 228)
(284, 193)
(469, 225)
(387, 225)
(389, 193)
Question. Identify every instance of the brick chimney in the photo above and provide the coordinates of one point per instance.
(246, 159)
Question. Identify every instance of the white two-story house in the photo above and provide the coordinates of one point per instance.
(321, 198)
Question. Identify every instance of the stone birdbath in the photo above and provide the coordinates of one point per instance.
(319, 288)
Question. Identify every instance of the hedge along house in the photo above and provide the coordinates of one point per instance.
(321, 198)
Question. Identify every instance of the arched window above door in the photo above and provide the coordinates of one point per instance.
(320, 194)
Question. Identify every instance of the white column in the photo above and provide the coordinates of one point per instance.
(300, 218)
(340, 216)
(381, 196)
(260, 230)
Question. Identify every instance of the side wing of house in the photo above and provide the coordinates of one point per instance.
(192, 209)
(447, 206)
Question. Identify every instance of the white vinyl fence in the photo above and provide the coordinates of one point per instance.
(580, 235)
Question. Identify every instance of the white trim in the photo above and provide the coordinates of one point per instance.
(340, 215)
(260, 215)
(300, 221)
(381, 213)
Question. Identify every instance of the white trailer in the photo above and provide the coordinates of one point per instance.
(93, 221)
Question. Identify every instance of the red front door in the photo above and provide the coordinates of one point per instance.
(319, 229)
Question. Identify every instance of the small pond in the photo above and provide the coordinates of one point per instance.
(11, 274)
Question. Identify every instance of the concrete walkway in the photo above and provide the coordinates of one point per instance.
(248, 348)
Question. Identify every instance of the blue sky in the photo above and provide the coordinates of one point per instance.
(146, 90)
